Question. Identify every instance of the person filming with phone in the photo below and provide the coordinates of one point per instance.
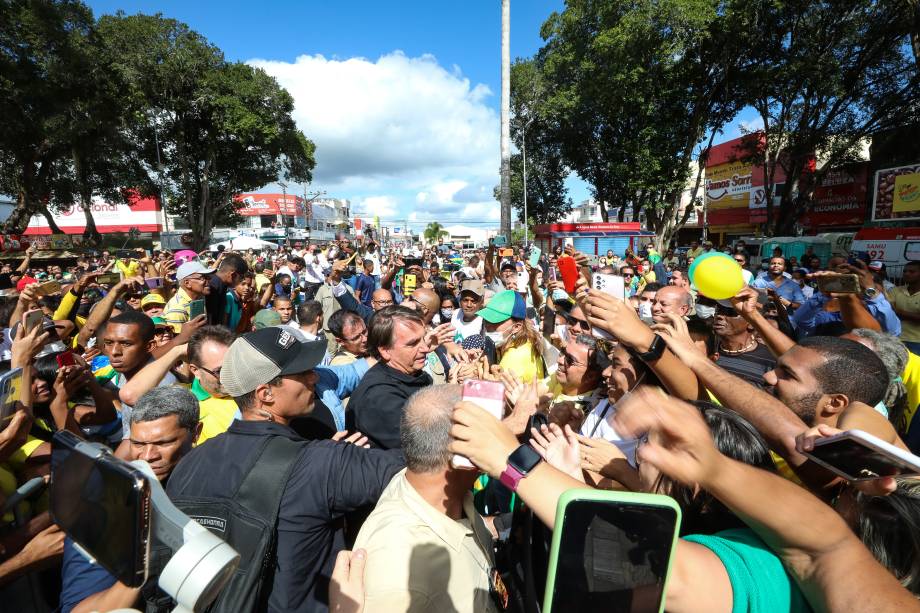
(162, 429)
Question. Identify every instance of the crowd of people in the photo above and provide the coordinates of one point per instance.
(343, 363)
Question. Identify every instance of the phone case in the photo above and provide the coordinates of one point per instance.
(569, 271)
(844, 284)
(490, 395)
(895, 456)
(631, 498)
(534, 258)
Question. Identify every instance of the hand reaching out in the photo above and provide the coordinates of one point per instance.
(346, 589)
(560, 448)
(357, 439)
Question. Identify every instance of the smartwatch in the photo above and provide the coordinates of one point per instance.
(654, 351)
(520, 463)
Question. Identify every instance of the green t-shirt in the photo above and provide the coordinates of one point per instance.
(760, 583)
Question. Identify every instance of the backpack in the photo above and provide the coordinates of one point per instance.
(247, 520)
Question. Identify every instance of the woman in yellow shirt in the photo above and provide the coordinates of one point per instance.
(516, 341)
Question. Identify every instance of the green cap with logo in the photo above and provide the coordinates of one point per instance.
(504, 305)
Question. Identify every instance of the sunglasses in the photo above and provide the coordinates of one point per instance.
(578, 323)
(726, 311)
(569, 360)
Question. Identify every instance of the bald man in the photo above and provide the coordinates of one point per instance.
(426, 302)
(671, 299)
(381, 298)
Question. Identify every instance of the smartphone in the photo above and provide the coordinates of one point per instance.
(553, 273)
(858, 456)
(859, 256)
(126, 254)
(534, 258)
(49, 288)
(10, 389)
(65, 358)
(500, 241)
(109, 278)
(408, 284)
(839, 284)
(523, 282)
(154, 282)
(506, 253)
(490, 395)
(196, 308)
(103, 504)
(613, 285)
(568, 269)
(32, 319)
(611, 552)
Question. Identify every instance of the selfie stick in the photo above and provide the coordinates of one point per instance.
(202, 563)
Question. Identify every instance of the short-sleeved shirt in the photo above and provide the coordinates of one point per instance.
(113, 380)
(421, 560)
(176, 311)
(787, 288)
(80, 578)
(760, 582)
(215, 414)
(902, 300)
(524, 361)
(366, 285)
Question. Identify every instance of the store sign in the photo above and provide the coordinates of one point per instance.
(728, 185)
(897, 193)
(142, 213)
(840, 198)
(270, 204)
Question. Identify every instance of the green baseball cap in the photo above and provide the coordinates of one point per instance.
(504, 305)
(266, 318)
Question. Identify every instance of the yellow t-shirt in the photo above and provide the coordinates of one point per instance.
(903, 300)
(215, 414)
(911, 379)
(524, 362)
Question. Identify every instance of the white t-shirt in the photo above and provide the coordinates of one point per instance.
(602, 417)
(465, 330)
(375, 258)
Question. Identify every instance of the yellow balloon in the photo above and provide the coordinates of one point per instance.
(719, 278)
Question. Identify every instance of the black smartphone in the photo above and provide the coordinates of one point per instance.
(103, 504)
(611, 552)
(859, 456)
(410, 262)
(126, 254)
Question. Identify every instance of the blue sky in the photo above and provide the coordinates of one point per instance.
(401, 98)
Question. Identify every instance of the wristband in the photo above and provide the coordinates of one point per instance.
(520, 463)
(654, 351)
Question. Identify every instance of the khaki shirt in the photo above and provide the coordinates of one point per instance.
(418, 559)
(901, 299)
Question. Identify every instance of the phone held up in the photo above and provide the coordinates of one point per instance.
(859, 456)
(611, 552)
(490, 395)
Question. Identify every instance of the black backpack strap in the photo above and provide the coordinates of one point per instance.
(263, 486)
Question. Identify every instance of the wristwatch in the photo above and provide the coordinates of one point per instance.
(520, 463)
(654, 351)
(870, 293)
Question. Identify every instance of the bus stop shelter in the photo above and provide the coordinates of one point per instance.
(593, 238)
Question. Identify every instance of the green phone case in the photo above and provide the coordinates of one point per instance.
(605, 496)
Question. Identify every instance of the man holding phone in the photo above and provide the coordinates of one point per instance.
(163, 427)
(425, 528)
(193, 278)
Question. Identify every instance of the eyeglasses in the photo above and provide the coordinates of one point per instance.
(578, 323)
(569, 360)
(382, 302)
(213, 373)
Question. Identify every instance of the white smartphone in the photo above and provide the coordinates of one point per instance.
(613, 285)
(523, 281)
(858, 456)
(490, 395)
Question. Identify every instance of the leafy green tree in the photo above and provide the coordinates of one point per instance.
(44, 59)
(433, 232)
(205, 129)
(633, 89)
(824, 79)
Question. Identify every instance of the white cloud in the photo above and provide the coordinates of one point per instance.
(396, 123)
(749, 126)
(370, 206)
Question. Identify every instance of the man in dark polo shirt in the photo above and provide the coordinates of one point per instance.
(397, 337)
(270, 374)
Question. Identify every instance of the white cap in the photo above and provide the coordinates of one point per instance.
(191, 268)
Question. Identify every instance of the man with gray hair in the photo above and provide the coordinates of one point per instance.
(427, 547)
(163, 427)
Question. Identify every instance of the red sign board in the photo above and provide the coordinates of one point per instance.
(840, 199)
(270, 204)
(631, 226)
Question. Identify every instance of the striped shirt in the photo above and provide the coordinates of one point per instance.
(176, 311)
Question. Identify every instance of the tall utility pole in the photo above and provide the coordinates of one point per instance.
(506, 120)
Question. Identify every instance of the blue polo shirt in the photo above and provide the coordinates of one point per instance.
(787, 289)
